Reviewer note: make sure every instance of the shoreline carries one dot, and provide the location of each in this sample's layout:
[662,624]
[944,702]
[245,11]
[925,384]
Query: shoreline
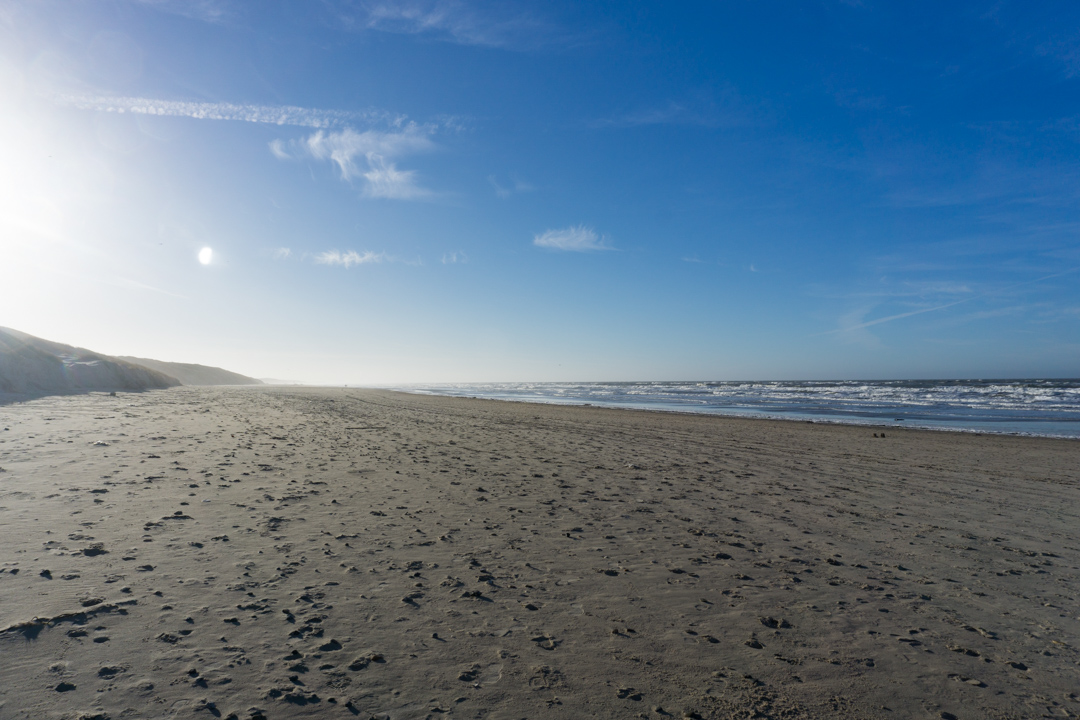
[748,415]
[327,552]
[818,419]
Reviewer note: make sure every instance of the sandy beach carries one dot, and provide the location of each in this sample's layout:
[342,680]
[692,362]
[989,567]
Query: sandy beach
[298,552]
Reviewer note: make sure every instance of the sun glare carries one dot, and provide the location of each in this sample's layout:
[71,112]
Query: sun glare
[206,255]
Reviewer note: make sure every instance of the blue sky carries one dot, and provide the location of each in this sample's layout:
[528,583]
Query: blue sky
[431,191]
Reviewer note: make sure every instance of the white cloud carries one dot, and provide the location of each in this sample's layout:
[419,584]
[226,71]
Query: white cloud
[367,155]
[500,190]
[505,190]
[269,114]
[722,108]
[282,253]
[577,238]
[386,181]
[453,258]
[345,146]
[350,258]
[673,114]
[496,25]
[277,147]
[853,321]
[211,11]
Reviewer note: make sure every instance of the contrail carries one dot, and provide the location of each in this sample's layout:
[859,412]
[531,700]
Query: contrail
[879,321]
[269,114]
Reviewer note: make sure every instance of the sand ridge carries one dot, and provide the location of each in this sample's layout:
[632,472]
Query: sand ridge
[284,552]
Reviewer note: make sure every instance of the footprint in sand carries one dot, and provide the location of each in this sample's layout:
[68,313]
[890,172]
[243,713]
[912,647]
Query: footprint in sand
[546,642]
[545,677]
[469,674]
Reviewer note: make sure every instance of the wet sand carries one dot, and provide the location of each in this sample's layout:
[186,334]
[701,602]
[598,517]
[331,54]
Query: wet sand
[282,552]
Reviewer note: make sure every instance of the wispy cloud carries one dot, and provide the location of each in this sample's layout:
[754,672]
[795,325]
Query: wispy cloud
[368,156]
[350,258]
[269,114]
[1012,310]
[898,316]
[721,107]
[577,238]
[511,187]
[277,149]
[911,289]
[212,11]
[849,325]
[1065,48]
[465,22]
[671,114]
[384,180]
[136,285]
[454,258]
[282,253]
[343,148]
[496,25]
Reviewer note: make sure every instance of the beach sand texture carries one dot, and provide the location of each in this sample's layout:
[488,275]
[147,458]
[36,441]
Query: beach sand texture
[287,553]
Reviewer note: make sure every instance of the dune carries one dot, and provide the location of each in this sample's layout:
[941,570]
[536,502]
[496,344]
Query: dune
[192,374]
[32,366]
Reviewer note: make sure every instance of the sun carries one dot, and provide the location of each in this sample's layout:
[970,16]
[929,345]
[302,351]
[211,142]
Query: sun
[206,255]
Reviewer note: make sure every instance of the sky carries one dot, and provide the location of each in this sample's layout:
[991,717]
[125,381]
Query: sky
[377,192]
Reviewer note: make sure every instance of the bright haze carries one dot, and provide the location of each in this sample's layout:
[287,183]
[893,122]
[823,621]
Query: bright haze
[386,192]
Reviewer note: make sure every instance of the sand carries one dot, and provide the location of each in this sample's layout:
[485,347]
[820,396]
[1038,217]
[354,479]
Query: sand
[284,553]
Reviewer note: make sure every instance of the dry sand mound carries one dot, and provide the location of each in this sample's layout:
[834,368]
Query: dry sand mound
[191,374]
[32,366]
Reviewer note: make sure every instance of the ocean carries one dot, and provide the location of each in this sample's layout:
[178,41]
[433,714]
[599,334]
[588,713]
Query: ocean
[1021,407]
